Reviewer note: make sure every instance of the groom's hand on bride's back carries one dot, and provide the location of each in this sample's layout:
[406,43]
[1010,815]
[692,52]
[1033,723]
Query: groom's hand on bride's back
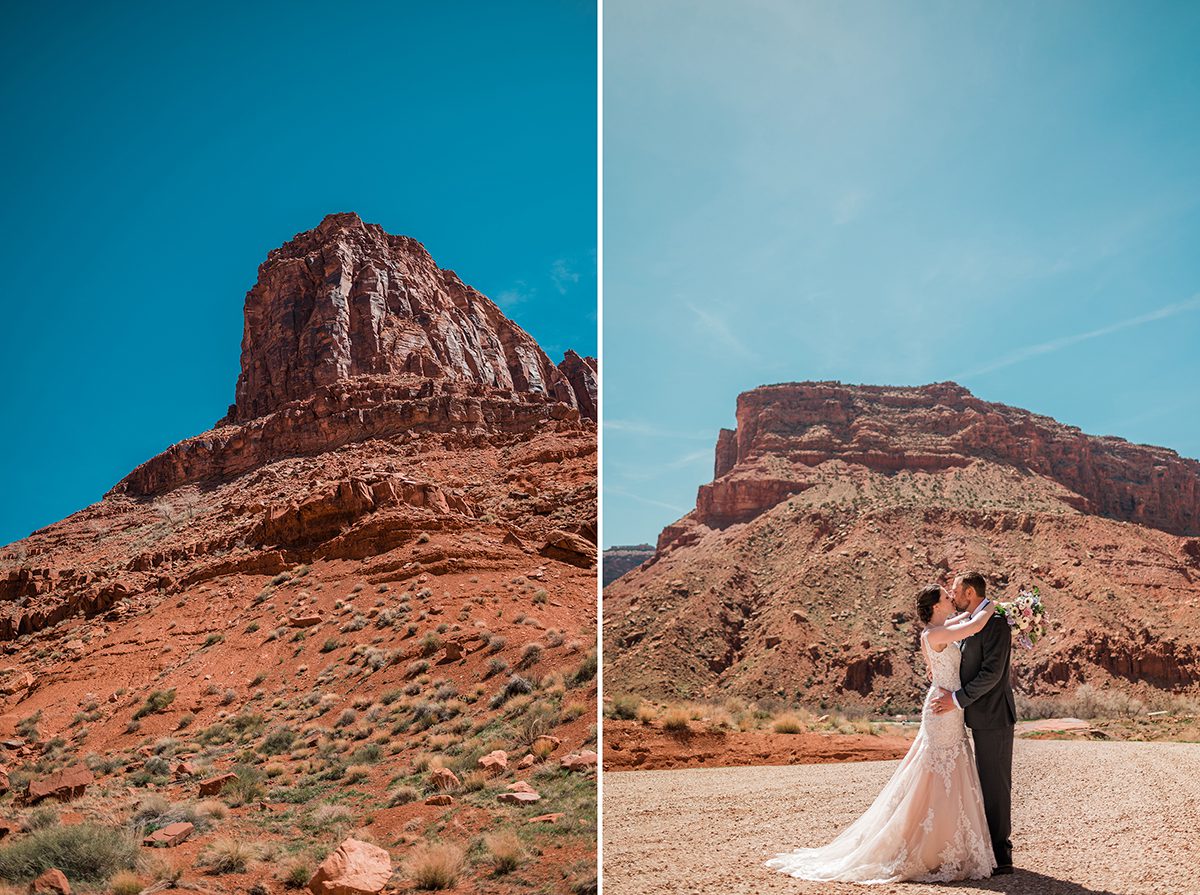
[943,702]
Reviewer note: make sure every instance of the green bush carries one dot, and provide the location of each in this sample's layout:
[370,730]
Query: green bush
[155,702]
[86,853]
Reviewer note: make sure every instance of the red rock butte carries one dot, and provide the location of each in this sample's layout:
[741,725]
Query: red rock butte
[832,504]
[389,537]
[357,350]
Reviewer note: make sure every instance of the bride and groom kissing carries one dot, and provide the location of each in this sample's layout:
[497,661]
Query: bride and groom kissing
[945,814]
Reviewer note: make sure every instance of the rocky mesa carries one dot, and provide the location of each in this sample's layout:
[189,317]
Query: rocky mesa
[346,636]
[831,505]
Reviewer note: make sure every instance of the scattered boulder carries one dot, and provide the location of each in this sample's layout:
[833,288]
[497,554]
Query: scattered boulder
[526,762]
[494,763]
[578,761]
[69,783]
[444,778]
[519,797]
[443,799]
[213,785]
[553,818]
[355,868]
[52,882]
[14,680]
[304,621]
[170,835]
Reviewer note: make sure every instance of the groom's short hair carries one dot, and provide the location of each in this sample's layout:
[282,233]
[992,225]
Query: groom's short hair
[974,580]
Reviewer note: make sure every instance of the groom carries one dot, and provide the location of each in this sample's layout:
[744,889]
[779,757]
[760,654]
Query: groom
[986,699]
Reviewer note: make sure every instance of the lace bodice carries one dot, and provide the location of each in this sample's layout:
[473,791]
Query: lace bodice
[945,665]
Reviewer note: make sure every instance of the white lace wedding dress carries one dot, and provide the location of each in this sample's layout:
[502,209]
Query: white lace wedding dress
[928,823]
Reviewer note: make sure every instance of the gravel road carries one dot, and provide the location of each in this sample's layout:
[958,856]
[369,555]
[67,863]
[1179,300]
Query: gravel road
[1089,818]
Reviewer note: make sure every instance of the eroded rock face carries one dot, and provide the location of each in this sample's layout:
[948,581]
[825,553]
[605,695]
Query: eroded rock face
[582,373]
[347,299]
[886,429]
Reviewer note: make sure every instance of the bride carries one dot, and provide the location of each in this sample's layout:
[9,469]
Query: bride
[928,823]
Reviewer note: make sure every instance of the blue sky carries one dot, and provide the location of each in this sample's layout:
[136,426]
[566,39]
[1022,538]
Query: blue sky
[1006,195]
[155,153]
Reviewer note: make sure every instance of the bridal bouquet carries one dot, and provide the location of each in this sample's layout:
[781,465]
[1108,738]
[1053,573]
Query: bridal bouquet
[1026,616]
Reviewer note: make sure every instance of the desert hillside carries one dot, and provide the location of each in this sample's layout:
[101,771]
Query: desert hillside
[831,505]
[356,618]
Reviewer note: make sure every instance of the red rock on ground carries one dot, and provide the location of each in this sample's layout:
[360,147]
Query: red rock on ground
[578,761]
[444,778]
[213,785]
[519,798]
[51,882]
[494,763]
[170,835]
[354,868]
[69,783]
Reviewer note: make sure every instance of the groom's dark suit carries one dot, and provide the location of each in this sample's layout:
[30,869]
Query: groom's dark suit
[986,699]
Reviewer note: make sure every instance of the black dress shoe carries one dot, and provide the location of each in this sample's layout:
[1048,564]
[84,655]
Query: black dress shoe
[1003,870]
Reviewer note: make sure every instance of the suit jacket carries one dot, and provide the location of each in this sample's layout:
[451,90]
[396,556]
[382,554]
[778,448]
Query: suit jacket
[986,695]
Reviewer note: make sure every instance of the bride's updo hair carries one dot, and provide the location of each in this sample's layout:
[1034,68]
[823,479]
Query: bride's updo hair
[929,597]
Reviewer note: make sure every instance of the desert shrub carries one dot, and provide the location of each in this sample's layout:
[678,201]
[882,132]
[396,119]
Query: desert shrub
[227,856]
[531,653]
[586,672]
[246,788]
[86,853]
[402,795]
[126,882]
[278,741]
[515,686]
[435,866]
[296,874]
[788,724]
[506,850]
[324,818]
[624,706]
[675,718]
[155,702]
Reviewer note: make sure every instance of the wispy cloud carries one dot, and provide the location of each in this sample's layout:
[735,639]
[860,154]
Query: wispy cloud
[636,427]
[1024,354]
[515,295]
[563,276]
[719,330]
[610,491]
[848,206]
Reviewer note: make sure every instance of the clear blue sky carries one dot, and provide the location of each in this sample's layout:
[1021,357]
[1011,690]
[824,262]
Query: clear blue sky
[1003,194]
[154,153]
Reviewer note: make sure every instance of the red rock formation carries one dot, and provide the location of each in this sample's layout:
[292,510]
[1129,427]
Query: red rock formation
[347,299]
[832,505]
[887,429]
[582,373]
[421,495]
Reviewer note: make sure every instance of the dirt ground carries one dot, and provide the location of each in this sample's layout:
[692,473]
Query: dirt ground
[1089,818]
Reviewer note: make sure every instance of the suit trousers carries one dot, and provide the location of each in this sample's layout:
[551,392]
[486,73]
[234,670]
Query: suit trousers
[993,758]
